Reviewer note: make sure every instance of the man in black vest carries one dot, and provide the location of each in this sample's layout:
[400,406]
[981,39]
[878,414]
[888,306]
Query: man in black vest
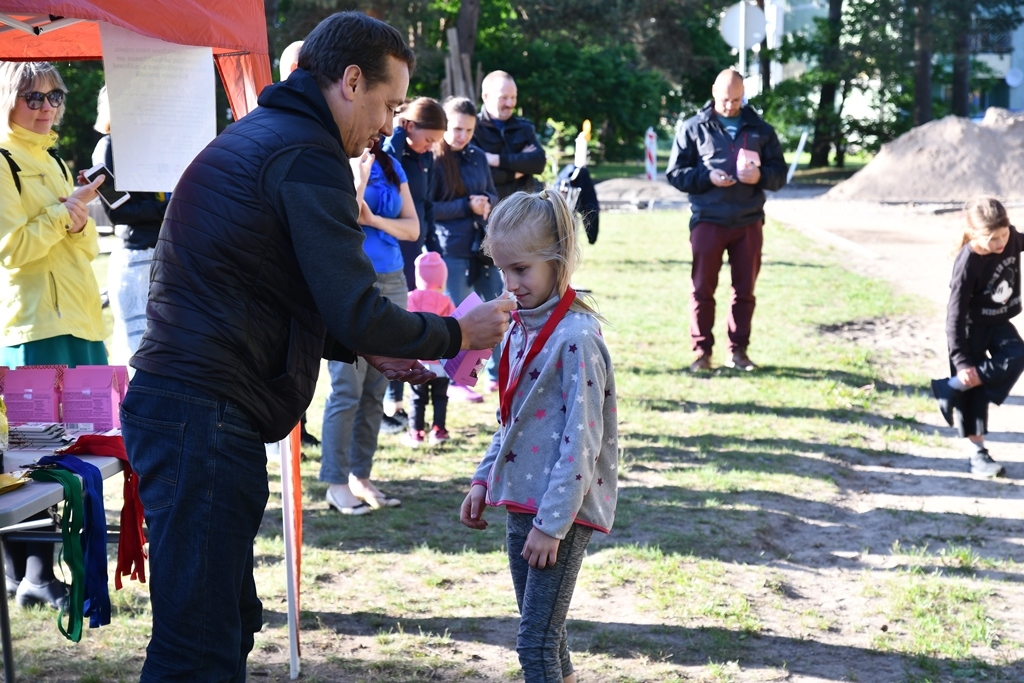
[510,141]
[260,272]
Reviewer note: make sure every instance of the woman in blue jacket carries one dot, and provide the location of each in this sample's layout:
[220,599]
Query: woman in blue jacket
[355,406]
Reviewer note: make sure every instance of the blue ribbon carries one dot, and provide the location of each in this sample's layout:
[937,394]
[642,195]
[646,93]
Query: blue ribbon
[94,537]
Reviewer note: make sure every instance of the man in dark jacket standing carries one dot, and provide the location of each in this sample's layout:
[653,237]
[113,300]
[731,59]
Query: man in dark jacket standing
[260,272]
[725,158]
[513,152]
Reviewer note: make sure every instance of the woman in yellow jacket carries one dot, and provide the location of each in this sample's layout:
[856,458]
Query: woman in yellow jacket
[50,311]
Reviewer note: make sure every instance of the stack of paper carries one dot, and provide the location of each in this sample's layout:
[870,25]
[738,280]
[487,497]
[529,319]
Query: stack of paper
[39,436]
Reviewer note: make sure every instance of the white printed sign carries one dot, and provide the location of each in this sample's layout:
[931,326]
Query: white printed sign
[162,107]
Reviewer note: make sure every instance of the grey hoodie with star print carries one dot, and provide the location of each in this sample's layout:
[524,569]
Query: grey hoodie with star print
[558,455]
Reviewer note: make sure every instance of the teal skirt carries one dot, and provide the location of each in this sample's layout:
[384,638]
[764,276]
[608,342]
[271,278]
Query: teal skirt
[63,350]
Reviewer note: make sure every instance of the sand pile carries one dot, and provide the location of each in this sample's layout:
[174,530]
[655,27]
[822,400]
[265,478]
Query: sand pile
[637,189]
[949,160]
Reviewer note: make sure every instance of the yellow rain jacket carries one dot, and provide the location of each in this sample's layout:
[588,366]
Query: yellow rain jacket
[47,287]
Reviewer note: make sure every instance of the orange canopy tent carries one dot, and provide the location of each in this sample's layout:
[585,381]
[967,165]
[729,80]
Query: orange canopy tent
[58,30]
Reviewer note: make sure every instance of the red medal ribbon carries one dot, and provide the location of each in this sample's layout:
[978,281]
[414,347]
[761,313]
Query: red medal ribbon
[507,390]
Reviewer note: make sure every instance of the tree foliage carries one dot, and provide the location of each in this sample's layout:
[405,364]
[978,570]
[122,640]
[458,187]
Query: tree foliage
[76,135]
[623,65]
[879,46]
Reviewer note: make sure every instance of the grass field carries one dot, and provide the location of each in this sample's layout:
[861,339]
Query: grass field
[696,582]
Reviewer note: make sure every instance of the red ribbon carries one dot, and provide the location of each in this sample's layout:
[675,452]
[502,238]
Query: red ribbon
[131,560]
[507,390]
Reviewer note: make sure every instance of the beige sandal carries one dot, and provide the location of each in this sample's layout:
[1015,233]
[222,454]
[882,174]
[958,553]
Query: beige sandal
[376,498]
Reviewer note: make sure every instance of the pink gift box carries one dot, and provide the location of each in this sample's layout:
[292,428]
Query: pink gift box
[32,395]
[120,373]
[91,399]
[464,368]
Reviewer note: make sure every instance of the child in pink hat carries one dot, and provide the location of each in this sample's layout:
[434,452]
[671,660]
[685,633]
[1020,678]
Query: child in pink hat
[429,297]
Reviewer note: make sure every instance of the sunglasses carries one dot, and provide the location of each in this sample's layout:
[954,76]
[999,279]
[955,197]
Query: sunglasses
[34,100]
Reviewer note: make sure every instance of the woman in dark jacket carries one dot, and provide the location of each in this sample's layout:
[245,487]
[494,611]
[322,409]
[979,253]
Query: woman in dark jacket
[419,124]
[463,194]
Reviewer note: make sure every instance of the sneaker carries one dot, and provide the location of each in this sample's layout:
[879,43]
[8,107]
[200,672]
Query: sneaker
[308,439]
[702,363]
[12,586]
[438,435]
[490,386]
[53,593]
[948,398]
[457,392]
[414,438]
[740,361]
[982,465]
[392,425]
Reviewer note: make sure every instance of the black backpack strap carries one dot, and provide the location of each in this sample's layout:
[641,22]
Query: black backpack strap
[15,169]
[60,162]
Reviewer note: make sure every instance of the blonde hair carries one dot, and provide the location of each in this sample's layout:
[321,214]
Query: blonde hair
[18,78]
[541,225]
[984,215]
[102,112]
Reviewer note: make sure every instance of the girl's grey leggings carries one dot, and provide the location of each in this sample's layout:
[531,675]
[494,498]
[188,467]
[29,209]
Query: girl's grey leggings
[543,596]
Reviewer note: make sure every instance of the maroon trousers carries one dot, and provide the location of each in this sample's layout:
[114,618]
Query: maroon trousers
[709,242]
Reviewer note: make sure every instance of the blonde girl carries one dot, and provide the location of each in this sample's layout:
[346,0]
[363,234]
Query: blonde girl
[553,461]
[986,354]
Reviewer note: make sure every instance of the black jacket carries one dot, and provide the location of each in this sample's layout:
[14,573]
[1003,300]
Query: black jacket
[508,143]
[417,169]
[984,291]
[260,256]
[702,144]
[454,220]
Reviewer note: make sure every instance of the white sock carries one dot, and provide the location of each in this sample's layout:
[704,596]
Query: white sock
[955,383]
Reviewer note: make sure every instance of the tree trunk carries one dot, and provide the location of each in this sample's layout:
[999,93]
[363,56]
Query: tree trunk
[826,119]
[469,17]
[962,70]
[922,62]
[765,60]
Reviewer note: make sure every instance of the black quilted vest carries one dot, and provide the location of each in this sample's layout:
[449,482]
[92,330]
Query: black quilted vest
[229,311]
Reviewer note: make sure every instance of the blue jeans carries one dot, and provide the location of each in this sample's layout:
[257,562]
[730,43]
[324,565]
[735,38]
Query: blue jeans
[202,471]
[543,596]
[488,286]
[356,405]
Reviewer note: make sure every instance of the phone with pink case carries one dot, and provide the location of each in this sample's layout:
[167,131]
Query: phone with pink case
[747,157]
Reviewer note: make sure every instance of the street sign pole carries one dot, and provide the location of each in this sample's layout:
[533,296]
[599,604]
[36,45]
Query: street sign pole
[742,38]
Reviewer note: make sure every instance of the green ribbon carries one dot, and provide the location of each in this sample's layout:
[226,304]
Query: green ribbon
[71,553]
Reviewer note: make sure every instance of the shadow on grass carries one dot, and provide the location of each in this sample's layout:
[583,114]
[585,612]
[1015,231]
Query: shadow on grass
[775,455]
[850,379]
[679,645]
[744,526]
[758,527]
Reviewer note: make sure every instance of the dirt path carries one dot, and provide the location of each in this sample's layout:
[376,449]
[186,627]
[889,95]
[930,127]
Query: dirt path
[908,246]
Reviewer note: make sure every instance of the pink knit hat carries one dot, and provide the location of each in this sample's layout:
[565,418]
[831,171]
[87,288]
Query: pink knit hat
[431,272]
